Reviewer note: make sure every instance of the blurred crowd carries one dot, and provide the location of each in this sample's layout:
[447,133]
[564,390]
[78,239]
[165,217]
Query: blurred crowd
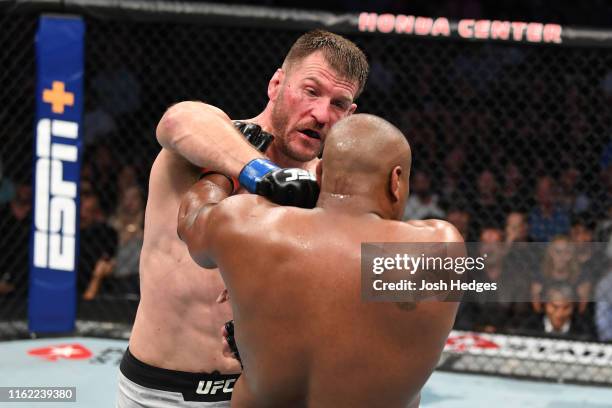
[501,211]
[501,208]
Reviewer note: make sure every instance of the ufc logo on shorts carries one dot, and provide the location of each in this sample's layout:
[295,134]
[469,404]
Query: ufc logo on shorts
[211,387]
[297,174]
[56,212]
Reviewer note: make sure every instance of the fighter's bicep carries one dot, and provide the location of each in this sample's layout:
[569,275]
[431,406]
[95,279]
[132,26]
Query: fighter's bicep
[171,175]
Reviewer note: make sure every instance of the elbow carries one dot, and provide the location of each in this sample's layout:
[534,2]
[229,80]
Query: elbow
[180,119]
[169,127]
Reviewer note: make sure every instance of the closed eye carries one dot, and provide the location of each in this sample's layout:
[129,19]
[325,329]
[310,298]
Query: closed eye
[311,92]
[341,105]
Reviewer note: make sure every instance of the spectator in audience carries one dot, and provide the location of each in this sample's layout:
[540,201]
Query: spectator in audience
[516,229]
[486,311]
[560,318]
[548,218]
[603,208]
[603,307]
[97,239]
[7,188]
[460,218]
[453,183]
[572,200]
[606,194]
[422,202]
[15,219]
[520,263]
[104,176]
[591,257]
[603,233]
[560,265]
[86,187]
[487,209]
[592,260]
[123,269]
[127,178]
[513,190]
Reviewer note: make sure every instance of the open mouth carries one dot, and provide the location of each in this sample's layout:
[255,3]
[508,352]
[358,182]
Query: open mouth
[311,133]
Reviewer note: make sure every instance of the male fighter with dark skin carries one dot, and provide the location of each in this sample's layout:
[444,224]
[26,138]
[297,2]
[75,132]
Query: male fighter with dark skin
[178,323]
[294,281]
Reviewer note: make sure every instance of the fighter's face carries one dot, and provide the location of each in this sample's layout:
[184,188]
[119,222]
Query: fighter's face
[308,100]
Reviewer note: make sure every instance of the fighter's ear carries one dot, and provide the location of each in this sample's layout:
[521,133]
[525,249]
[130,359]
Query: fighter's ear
[352,109]
[275,83]
[319,172]
[395,183]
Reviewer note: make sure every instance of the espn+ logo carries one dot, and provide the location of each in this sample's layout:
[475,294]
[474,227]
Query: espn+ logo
[55,197]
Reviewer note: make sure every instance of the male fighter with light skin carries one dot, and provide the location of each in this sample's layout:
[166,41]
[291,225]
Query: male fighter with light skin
[176,349]
[294,281]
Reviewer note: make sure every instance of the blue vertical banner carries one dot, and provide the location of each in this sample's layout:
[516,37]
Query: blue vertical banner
[57,162]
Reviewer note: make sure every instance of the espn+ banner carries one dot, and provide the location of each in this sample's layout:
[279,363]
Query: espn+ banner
[57,147]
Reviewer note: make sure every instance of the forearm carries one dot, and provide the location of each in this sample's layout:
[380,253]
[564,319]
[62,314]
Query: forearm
[200,198]
[93,288]
[206,137]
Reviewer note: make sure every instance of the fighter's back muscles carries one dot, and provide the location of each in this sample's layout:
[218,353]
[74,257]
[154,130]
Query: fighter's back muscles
[294,279]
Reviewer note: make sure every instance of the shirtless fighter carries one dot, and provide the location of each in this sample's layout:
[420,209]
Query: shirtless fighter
[175,355]
[305,337]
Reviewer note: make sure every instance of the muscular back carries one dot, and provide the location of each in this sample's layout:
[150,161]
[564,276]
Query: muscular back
[178,321]
[305,336]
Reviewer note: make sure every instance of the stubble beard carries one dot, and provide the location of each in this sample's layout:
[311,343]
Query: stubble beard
[280,121]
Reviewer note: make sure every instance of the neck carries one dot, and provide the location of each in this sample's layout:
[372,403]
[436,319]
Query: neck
[354,204]
[273,153]
[264,119]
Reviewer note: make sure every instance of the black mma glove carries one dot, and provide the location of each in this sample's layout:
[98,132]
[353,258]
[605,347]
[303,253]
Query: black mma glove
[294,187]
[255,135]
[229,327]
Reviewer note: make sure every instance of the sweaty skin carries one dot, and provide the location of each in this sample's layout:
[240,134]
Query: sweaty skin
[294,280]
[178,323]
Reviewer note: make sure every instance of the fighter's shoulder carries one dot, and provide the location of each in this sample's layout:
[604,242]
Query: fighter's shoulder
[435,230]
[245,205]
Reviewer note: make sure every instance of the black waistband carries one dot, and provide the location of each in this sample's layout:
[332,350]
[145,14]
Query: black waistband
[204,387]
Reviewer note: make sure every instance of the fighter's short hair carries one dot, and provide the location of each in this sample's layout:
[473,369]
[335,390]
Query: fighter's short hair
[342,54]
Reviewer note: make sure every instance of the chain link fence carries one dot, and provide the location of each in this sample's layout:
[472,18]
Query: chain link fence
[17,95]
[511,143]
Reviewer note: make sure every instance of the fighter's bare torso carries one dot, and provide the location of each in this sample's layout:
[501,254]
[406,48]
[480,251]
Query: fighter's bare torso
[178,323]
